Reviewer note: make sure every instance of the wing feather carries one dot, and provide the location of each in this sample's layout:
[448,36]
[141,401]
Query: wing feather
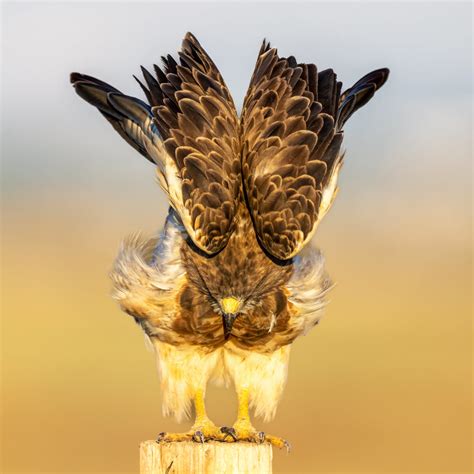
[291,139]
[196,117]
[190,130]
[129,116]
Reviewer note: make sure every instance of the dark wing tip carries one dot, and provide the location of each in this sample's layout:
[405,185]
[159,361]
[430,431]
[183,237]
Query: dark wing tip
[190,37]
[385,72]
[75,77]
[327,72]
[265,47]
[190,41]
[380,76]
[360,93]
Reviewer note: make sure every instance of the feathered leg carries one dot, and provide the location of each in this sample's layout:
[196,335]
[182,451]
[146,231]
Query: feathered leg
[184,374]
[243,430]
[262,389]
[203,428]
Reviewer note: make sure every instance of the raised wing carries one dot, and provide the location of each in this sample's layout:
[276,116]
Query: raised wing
[292,133]
[190,130]
[196,117]
[129,116]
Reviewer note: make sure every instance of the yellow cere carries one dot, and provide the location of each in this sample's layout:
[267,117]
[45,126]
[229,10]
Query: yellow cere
[230,305]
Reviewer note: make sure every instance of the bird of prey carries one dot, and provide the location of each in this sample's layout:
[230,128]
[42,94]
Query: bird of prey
[232,280]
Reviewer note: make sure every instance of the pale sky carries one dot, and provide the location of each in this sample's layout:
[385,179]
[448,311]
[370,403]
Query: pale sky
[416,130]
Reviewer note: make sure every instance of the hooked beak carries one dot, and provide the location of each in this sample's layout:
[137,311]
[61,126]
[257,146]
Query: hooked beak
[228,321]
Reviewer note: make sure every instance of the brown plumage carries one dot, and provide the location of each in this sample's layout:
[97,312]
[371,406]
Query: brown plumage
[231,282]
[243,271]
[291,126]
[196,118]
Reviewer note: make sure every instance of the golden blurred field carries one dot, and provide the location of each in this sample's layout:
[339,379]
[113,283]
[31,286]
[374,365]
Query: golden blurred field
[384,383]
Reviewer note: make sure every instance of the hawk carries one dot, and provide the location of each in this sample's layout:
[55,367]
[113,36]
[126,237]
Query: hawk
[231,281]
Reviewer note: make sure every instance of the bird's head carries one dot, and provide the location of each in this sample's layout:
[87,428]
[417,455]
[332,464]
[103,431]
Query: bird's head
[238,281]
[238,297]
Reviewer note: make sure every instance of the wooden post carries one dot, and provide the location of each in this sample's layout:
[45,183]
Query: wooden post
[212,457]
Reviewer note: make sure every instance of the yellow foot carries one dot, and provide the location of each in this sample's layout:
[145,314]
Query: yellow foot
[244,431]
[201,431]
[173,437]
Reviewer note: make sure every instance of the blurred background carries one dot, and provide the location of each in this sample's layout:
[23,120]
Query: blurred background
[384,383]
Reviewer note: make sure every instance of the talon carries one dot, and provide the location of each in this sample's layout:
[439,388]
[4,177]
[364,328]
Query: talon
[173,437]
[199,435]
[229,432]
[261,436]
[279,443]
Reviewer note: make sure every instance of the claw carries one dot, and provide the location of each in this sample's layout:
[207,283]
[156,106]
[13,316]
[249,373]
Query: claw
[173,437]
[199,436]
[202,431]
[261,436]
[229,432]
[279,443]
